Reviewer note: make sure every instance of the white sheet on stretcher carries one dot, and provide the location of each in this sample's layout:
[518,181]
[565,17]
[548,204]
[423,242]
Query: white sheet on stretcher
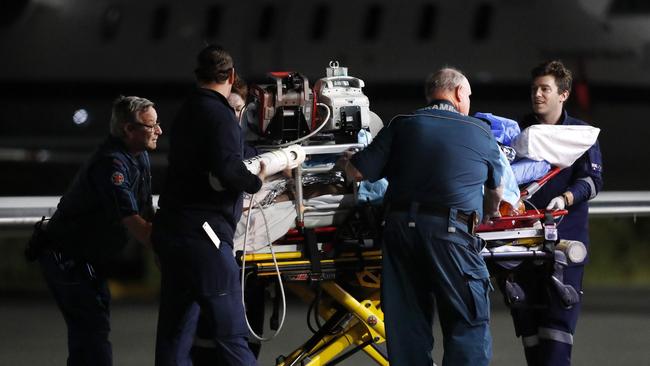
[325,210]
[560,145]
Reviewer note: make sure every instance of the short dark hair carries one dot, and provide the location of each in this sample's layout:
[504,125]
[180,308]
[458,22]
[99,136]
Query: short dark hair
[213,64]
[555,68]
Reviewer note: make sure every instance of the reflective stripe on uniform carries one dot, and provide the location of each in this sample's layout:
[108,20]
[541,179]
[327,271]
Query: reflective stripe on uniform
[530,341]
[555,335]
[592,186]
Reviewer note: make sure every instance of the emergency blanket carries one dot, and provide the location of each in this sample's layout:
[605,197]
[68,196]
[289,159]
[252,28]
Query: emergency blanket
[517,169]
[503,129]
[509,182]
[371,192]
[527,170]
[560,145]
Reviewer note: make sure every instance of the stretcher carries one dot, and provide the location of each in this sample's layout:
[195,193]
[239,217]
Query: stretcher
[348,274]
[340,275]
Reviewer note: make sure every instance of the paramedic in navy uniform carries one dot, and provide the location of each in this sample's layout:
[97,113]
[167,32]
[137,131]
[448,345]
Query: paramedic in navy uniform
[109,199]
[205,181]
[547,335]
[437,161]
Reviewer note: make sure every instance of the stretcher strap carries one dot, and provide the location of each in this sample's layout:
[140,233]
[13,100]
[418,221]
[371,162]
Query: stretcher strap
[312,254]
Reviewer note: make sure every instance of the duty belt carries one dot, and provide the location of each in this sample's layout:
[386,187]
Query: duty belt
[471,220]
[429,209]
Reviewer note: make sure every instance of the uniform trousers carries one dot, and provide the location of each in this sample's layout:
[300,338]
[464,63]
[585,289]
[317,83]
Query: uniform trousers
[196,276]
[432,262]
[545,326]
[84,300]
[204,351]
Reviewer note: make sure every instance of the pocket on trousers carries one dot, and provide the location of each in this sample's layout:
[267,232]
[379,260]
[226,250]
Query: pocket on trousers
[478,283]
[227,314]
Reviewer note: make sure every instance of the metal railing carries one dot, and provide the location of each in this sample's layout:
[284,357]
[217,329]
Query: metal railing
[25,211]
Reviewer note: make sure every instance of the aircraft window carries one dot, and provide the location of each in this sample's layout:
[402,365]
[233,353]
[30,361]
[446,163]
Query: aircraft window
[160,22]
[426,28]
[266,23]
[320,23]
[111,21]
[213,20]
[372,22]
[629,7]
[483,22]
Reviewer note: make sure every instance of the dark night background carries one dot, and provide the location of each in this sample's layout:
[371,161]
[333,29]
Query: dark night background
[59,56]
[38,116]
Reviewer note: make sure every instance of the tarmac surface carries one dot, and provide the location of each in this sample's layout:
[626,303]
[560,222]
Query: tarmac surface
[614,329]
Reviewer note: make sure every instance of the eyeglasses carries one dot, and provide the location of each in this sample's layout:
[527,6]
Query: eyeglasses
[148,127]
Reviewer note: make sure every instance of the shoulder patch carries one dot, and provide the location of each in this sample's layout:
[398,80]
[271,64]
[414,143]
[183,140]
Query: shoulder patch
[117,178]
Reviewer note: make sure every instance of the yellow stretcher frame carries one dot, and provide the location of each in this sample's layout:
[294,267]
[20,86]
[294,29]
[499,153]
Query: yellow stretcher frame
[359,324]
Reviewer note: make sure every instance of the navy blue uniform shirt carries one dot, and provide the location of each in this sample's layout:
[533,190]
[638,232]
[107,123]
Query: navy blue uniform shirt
[584,179]
[434,156]
[205,139]
[112,185]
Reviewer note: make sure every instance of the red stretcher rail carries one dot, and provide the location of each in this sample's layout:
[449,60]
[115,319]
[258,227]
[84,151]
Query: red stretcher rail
[498,223]
[535,186]
[526,219]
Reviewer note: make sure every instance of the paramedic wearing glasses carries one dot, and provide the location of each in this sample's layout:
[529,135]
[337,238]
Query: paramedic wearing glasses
[108,202]
[547,334]
[437,161]
[205,181]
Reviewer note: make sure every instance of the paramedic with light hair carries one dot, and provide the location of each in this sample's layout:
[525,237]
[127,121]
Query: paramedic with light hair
[547,334]
[437,161]
[108,202]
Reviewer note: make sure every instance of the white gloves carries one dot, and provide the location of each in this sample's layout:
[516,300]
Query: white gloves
[557,203]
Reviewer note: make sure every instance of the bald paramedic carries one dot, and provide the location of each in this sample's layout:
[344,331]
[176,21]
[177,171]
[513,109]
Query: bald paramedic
[437,161]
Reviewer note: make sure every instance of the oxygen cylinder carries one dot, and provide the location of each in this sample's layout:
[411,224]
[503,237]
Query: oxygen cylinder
[575,251]
[277,160]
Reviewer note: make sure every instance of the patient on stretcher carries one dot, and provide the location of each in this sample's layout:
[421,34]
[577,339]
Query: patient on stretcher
[328,199]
